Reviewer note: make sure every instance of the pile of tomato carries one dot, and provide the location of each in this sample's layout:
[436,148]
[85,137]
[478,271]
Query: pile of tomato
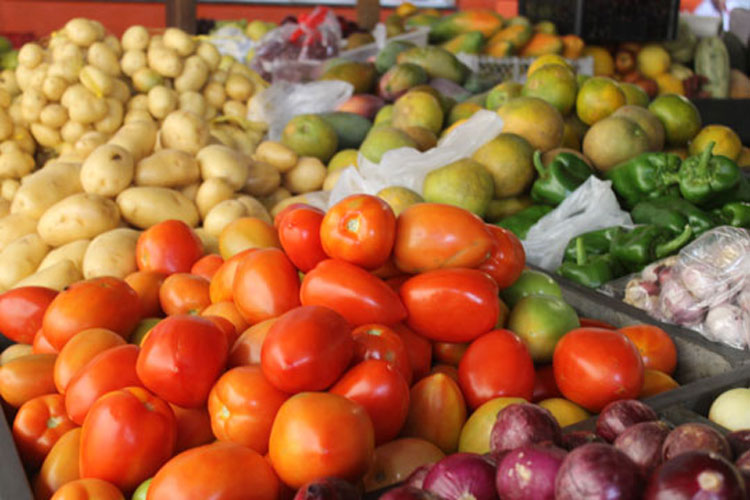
[294,355]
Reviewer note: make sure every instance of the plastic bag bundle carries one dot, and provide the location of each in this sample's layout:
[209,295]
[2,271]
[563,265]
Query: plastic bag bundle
[232,41]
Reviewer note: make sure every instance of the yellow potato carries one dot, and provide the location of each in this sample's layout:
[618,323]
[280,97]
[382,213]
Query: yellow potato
[53,87]
[4,207]
[79,216]
[167,168]
[262,179]
[114,45]
[113,119]
[72,131]
[89,142]
[212,192]
[179,41]
[135,37]
[107,171]
[210,243]
[57,276]
[193,101]
[8,189]
[137,137]
[139,102]
[81,31]
[53,115]
[191,191]
[255,208]
[30,55]
[132,61]
[73,252]
[15,164]
[32,103]
[164,61]
[144,79]
[276,197]
[20,258]
[137,115]
[222,214]
[45,136]
[14,226]
[308,175]
[96,80]
[101,55]
[215,94]
[111,254]
[234,108]
[210,54]
[185,131]
[6,125]
[194,75]
[219,161]
[144,207]
[162,101]
[23,138]
[120,91]
[239,87]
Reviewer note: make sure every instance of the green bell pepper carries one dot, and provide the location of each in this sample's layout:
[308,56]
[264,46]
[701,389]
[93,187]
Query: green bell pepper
[558,179]
[647,176]
[594,242]
[704,176]
[672,213]
[736,213]
[520,223]
[741,192]
[592,272]
[645,244]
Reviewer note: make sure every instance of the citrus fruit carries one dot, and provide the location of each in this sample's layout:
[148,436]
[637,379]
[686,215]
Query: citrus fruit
[310,135]
[554,83]
[680,118]
[535,120]
[598,98]
[604,63]
[508,159]
[634,94]
[399,198]
[342,159]
[653,60]
[669,84]
[613,141]
[727,141]
[465,183]
[545,60]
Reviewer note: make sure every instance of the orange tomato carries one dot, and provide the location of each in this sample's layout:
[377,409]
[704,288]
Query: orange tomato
[318,434]
[42,344]
[207,265]
[229,312]
[168,247]
[27,377]
[246,350]
[60,465]
[147,284]
[656,382]
[374,341]
[183,293]
[80,349]
[244,233]
[222,281]
[193,427]
[39,423]
[655,345]
[88,489]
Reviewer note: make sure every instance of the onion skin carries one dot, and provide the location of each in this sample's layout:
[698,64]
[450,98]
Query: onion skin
[521,424]
[528,473]
[597,471]
[573,439]
[619,415]
[416,478]
[696,474]
[461,476]
[408,493]
[694,437]
[329,488]
[642,443]
[739,441]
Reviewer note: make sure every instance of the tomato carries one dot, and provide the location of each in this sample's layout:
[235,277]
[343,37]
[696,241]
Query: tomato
[107,371]
[388,270]
[81,349]
[222,281]
[595,323]
[181,358]
[656,382]
[375,341]
[299,234]
[246,350]
[496,364]
[60,465]
[243,405]
[289,208]
[207,265]
[383,393]
[39,423]
[655,345]
[183,293]
[437,412]
[42,344]
[14,351]
[88,489]
[450,370]
[419,350]
[22,310]
[219,471]
[433,236]
[307,349]
[544,384]
[397,281]
[594,367]
[127,436]
[449,352]
[229,312]
[27,377]
[352,292]
[318,434]
[193,427]
[360,229]
[244,233]
[168,247]
[104,302]
[508,258]
[266,285]
[395,461]
[147,284]
[451,305]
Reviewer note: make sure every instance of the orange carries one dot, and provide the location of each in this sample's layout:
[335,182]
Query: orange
[545,60]
[604,63]
[634,94]
[669,84]
[554,83]
[535,120]
[598,98]
[653,60]
[680,117]
[727,142]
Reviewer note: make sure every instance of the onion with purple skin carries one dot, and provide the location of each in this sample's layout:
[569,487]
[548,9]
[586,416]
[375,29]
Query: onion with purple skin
[416,478]
[462,476]
[677,305]
[597,471]
[495,457]
[696,474]
[619,415]
[329,488]
[642,444]
[694,437]
[528,473]
[574,439]
[408,493]
[521,424]
[743,462]
[739,441]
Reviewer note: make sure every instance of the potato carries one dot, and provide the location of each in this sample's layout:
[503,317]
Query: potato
[135,38]
[239,87]
[6,125]
[219,161]
[53,115]
[5,96]
[179,41]
[89,142]
[193,76]
[57,277]
[132,61]
[8,189]
[23,138]
[255,208]
[215,94]
[167,168]
[88,109]
[20,259]
[30,55]
[276,197]
[96,80]
[37,76]
[137,115]
[308,175]
[137,137]
[234,108]
[73,252]
[14,226]
[191,191]
[210,54]
[111,254]
[161,101]
[113,119]
[32,103]
[219,76]
[101,56]
[262,179]
[222,214]
[81,31]
[45,136]
[210,243]
[212,192]
[113,43]
[144,207]
[4,207]
[120,91]
[73,131]
[285,202]
[144,79]
[164,61]
[9,83]
[107,171]
[15,164]
[67,69]
[185,131]
[79,216]
[193,101]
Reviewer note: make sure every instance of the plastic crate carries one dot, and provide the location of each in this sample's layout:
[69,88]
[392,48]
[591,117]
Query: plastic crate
[602,21]
[515,68]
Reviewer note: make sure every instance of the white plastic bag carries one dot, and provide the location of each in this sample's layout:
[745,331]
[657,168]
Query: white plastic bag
[591,207]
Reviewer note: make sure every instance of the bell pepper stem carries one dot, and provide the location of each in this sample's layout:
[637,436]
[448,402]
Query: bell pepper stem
[581,256]
[705,156]
[538,165]
[669,247]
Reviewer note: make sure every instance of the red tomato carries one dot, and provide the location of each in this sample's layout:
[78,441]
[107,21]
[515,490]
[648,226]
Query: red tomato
[39,423]
[449,352]
[352,292]
[22,310]
[451,305]
[496,364]
[318,434]
[193,427]
[181,358]
[207,265]
[88,489]
[127,436]
[27,377]
[60,465]
[242,406]
[383,393]
[109,370]
[168,247]
[359,229]
[147,284]
[594,367]
[42,344]
[223,280]
[219,471]
[507,260]
[183,293]
[388,270]
[229,312]
[449,370]
[419,350]
[307,349]
[397,281]
[104,302]
[246,349]
[81,349]
[544,384]
[655,345]
[279,216]
[375,341]
[226,327]
[433,236]
[266,285]
[595,323]
[299,233]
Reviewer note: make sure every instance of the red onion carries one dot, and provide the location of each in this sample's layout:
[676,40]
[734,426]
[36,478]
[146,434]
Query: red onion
[329,488]
[696,474]
[642,444]
[408,493]
[528,473]
[521,424]
[462,476]
[619,415]
[743,462]
[416,478]
[597,471]
[739,441]
[695,437]
[574,439]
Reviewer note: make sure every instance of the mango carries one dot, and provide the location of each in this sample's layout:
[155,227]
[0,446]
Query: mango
[418,109]
[399,79]
[462,22]
[351,128]
[387,57]
[384,138]
[437,62]
[471,42]
[360,75]
[541,44]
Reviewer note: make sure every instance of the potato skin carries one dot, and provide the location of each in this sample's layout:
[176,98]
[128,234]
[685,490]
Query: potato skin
[107,170]
[79,216]
[111,254]
[167,168]
[57,277]
[73,251]
[20,259]
[144,207]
